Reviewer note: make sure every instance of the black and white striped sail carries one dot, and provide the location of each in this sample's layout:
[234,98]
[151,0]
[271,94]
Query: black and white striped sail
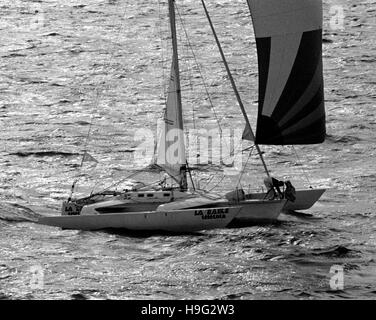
[291,94]
[171,147]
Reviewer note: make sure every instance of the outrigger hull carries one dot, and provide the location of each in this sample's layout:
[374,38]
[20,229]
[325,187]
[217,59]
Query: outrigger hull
[170,221]
[305,199]
[259,211]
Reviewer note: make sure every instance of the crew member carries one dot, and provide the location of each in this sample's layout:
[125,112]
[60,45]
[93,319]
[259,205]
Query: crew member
[272,186]
[290,193]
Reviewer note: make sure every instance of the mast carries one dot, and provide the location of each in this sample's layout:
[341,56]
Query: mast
[233,84]
[175,60]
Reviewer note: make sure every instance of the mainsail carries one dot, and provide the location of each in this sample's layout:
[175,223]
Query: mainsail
[171,146]
[291,93]
[171,149]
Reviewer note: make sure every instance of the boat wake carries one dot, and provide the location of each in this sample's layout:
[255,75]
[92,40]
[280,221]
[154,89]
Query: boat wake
[14,212]
[298,214]
[151,233]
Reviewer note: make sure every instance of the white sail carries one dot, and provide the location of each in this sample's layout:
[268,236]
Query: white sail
[171,147]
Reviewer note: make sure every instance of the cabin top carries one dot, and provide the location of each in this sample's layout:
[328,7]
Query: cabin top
[151,194]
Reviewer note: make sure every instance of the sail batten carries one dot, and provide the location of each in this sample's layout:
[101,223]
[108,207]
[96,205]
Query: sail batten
[289,50]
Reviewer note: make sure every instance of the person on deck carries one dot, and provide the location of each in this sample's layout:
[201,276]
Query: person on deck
[290,193]
[272,186]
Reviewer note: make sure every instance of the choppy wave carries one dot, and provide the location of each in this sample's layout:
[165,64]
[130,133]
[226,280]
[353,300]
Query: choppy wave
[40,154]
[338,251]
[345,139]
[14,212]
[101,67]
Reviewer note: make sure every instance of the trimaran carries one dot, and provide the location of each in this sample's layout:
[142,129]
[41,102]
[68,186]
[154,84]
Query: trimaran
[291,111]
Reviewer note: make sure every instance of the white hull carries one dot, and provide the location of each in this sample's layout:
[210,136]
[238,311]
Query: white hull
[171,221]
[305,199]
[251,211]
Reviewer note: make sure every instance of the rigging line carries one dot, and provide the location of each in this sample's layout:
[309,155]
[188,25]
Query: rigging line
[112,185]
[124,179]
[232,152]
[100,91]
[190,175]
[188,71]
[300,162]
[199,71]
[233,85]
[248,148]
[209,179]
[88,134]
[148,185]
[164,85]
[181,71]
[96,103]
[163,80]
[244,167]
[215,186]
[207,195]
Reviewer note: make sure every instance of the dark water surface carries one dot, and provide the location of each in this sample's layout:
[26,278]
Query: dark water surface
[66,65]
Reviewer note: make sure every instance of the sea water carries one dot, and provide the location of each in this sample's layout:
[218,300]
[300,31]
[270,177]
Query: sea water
[86,75]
